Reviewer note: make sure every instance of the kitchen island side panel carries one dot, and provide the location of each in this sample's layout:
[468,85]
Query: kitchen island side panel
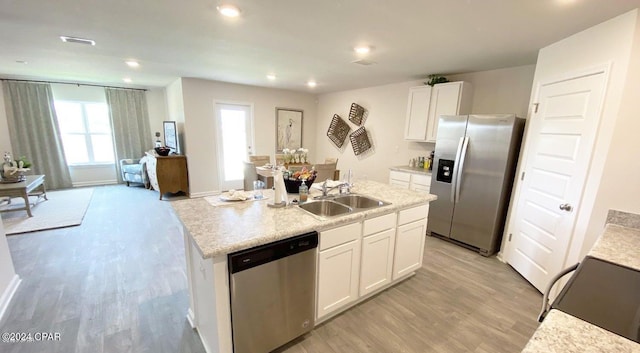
[210,304]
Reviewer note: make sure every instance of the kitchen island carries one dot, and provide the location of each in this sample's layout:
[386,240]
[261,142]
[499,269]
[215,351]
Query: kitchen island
[561,332]
[212,232]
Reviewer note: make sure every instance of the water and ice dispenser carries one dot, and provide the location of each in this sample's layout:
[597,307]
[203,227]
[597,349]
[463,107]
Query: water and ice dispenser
[445,170]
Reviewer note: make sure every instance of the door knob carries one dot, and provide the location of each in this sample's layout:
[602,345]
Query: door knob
[566,207]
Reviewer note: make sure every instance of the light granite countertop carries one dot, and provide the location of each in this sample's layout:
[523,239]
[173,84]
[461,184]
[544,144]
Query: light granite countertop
[414,170]
[219,230]
[561,332]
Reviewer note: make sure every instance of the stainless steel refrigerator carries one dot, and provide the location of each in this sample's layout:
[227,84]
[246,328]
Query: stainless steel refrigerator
[474,165]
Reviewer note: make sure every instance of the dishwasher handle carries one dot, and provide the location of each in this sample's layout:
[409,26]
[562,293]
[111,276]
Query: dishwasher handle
[246,259]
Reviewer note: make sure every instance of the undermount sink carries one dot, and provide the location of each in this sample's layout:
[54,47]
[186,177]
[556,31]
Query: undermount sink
[359,201]
[326,208]
[341,204]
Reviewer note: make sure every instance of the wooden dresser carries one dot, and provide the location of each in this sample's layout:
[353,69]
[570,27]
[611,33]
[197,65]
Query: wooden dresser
[168,174]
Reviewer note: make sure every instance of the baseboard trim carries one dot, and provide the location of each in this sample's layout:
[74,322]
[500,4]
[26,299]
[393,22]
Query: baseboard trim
[191,318]
[6,297]
[94,183]
[204,194]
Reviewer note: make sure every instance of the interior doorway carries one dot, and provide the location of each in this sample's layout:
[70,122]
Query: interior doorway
[556,160]
[234,123]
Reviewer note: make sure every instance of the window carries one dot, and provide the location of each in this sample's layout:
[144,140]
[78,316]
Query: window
[86,132]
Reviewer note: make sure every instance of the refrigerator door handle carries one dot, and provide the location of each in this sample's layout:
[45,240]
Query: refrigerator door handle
[454,178]
[463,155]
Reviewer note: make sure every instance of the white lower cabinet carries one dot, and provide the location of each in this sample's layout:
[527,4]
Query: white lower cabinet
[358,259]
[377,261]
[409,248]
[338,272]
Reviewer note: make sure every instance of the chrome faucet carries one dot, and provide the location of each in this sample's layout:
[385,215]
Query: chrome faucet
[325,189]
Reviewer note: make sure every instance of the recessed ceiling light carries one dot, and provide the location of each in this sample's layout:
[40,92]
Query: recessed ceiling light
[271,77]
[311,83]
[229,10]
[77,40]
[362,49]
[132,63]
[127,80]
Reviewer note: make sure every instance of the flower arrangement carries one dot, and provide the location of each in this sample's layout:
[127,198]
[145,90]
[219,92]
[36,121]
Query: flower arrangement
[295,156]
[13,170]
[302,153]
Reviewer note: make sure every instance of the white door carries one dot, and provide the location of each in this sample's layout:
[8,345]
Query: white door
[560,142]
[235,141]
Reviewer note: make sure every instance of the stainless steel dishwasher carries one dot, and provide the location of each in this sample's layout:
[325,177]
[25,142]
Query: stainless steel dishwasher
[272,293]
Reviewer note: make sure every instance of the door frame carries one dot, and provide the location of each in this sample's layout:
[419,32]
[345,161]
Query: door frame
[575,242]
[218,134]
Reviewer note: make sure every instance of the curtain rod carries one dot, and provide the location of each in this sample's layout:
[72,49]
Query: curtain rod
[71,83]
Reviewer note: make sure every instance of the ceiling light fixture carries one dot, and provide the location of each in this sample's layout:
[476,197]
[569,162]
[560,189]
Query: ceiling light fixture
[23,62]
[311,83]
[229,10]
[271,77]
[77,40]
[362,50]
[127,80]
[132,63]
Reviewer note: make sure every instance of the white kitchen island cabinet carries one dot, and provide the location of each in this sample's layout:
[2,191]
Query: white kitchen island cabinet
[412,227]
[354,255]
[426,104]
[338,268]
[378,243]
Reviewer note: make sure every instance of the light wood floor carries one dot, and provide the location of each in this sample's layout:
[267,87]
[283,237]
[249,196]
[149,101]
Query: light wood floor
[117,283]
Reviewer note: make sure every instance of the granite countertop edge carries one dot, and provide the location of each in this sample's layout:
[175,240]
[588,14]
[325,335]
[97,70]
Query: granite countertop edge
[195,215]
[561,332]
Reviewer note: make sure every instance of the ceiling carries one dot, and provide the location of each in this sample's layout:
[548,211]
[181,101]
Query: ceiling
[297,40]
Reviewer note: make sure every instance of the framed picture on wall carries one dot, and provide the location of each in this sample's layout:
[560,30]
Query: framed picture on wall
[171,135]
[288,129]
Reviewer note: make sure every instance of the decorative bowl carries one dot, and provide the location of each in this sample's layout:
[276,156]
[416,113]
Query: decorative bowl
[293,186]
[163,151]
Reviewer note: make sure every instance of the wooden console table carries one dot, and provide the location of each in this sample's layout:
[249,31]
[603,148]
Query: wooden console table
[24,189]
[168,173]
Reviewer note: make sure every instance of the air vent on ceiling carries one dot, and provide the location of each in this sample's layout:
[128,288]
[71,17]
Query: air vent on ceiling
[364,62]
[77,40]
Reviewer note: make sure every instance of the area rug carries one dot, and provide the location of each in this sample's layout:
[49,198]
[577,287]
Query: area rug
[64,208]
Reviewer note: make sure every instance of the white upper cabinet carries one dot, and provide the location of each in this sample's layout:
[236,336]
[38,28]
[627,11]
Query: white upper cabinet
[426,104]
[417,113]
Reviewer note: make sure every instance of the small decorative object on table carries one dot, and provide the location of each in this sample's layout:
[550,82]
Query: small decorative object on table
[292,181]
[13,171]
[163,151]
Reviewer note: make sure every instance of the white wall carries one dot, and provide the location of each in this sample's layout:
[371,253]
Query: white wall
[495,91]
[9,280]
[620,185]
[200,132]
[175,110]
[501,91]
[157,107]
[607,43]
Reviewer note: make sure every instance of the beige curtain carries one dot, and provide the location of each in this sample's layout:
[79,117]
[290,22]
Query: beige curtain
[130,123]
[33,129]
